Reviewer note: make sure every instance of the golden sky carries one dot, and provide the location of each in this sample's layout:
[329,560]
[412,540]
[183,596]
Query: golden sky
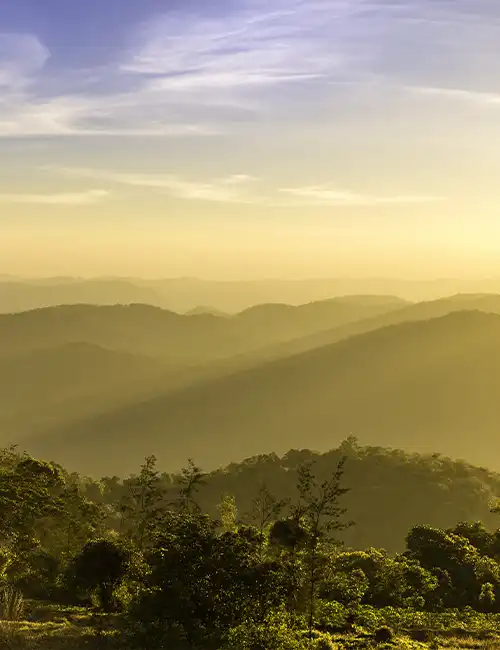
[250,139]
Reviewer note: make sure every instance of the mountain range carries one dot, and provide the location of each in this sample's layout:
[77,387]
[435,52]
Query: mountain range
[230,296]
[423,377]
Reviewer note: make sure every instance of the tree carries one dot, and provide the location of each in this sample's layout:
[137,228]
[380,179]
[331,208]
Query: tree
[203,582]
[459,566]
[191,479]
[487,597]
[101,566]
[315,519]
[266,508]
[228,513]
[143,506]
[29,491]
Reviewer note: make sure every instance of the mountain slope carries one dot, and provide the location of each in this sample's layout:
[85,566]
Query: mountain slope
[425,386]
[181,338]
[53,384]
[488,303]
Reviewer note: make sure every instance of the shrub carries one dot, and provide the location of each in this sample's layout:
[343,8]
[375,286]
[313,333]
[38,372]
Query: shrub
[275,633]
[324,642]
[11,604]
[383,634]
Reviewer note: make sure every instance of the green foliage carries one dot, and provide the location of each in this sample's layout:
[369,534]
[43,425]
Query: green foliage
[324,642]
[275,632]
[180,578]
[460,568]
[100,567]
[11,603]
[383,634]
[228,513]
[487,597]
[190,481]
[142,506]
[266,508]
[202,583]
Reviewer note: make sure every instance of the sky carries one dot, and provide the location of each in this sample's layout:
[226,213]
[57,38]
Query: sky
[250,138]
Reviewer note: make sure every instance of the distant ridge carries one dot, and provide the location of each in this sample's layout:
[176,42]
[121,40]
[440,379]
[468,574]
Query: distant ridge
[230,296]
[201,310]
[180,338]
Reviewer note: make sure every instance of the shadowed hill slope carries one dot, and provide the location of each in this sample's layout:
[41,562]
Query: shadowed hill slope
[52,384]
[185,339]
[425,386]
[488,303]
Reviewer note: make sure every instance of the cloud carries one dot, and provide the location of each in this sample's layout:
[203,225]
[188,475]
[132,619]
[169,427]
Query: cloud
[247,46]
[235,189]
[88,197]
[328,195]
[202,69]
[21,56]
[224,190]
[483,99]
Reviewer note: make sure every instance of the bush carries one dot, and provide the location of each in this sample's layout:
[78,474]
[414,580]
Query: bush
[99,569]
[324,642]
[383,634]
[11,604]
[275,633]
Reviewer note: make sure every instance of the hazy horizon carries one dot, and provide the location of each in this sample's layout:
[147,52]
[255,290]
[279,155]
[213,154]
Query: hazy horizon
[413,279]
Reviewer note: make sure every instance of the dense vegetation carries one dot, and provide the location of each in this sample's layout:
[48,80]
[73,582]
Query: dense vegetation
[260,555]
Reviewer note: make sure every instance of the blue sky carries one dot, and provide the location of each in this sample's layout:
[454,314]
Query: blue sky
[343,117]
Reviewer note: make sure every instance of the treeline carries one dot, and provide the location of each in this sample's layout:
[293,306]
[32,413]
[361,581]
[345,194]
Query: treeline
[275,575]
[391,490]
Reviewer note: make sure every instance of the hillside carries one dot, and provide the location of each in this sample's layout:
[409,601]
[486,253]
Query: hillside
[53,384]
[488,303]
[184,339]
[425,386]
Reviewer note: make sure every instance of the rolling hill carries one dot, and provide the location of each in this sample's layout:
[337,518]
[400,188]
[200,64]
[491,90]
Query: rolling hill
[488,303]
[63,363]
[50,385]
[180,338]
[426,386]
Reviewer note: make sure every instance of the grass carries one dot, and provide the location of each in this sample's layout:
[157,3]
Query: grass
[54,627]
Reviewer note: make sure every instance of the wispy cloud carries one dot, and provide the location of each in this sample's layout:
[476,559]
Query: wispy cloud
[328,195]
[240,188]
[230,189]
[196,69]
[249,46]
[481,99]
[88,197]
